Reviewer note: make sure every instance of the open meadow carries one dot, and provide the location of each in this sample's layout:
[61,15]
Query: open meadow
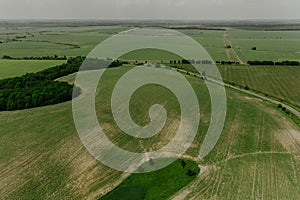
[13,68]
[79,41]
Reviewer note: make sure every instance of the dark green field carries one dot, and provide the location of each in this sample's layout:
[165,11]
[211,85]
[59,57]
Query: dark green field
[160,184]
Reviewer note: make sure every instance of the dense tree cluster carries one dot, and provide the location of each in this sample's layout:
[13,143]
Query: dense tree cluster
[40,93]
[40,89]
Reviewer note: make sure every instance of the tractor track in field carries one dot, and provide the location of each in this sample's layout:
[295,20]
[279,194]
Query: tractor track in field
[231,52]
[255,171]
[254,179]
[233,130]
[257,153]
[214,181]
[294,170]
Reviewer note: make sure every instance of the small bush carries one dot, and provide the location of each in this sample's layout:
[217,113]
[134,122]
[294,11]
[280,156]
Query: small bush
[246,87]
[183,163]
[191,173]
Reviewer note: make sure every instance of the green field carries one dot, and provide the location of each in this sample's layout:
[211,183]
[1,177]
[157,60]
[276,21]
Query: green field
[279,81]
[79,41]
[12,68]
[271,45]
[42,156]
[256,157]
[151,55]
[62,41]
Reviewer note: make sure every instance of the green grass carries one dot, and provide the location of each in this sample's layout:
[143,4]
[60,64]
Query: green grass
[160,184]
[12,68]
[127,193]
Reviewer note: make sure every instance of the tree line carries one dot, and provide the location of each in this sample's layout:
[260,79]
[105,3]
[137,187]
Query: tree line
[283,63]
[264,62]
[55,57]
[192,61]
[41,89]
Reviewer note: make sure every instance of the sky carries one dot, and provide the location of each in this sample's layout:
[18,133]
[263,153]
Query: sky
[150,9]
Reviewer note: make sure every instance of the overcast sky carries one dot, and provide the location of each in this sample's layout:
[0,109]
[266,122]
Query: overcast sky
[149,9]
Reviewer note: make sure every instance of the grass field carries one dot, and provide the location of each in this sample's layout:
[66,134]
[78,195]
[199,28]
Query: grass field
[150,54]
[12,68]
[68,41]
[79,41]
[43,158]
[279,81]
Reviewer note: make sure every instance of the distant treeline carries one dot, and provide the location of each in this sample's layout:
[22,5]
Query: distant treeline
[55,57]
[40,89]
[184,61]
[195,28]
[227,62]
[272,63]
[284,63]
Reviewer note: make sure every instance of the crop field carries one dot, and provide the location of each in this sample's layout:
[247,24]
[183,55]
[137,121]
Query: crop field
[271,45]
[279,81]
[12,68]
[256,156]
[212,41]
